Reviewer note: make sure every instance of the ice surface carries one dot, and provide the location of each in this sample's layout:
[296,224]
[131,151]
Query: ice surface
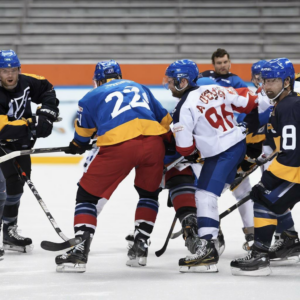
[33,276]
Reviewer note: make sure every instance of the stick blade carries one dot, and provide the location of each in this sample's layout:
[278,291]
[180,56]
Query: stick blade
[161,251]
[51,246]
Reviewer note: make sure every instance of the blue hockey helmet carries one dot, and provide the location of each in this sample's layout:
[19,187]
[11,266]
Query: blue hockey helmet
[179,69]
[279,68]
[256,67]
[107,70]
[9,59]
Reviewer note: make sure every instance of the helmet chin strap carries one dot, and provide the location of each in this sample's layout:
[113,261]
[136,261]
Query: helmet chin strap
[271,100]
[179,90]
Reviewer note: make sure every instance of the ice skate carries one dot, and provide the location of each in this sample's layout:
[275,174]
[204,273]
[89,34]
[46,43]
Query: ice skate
[203,261]
[74,261]
[190,232]
[138,254]
[254,264]
[249,236]
[220,242]
[130,239]
[15,242]
[286,249]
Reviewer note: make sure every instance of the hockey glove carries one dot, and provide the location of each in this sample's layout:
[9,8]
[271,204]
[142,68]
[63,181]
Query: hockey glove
[50,114]
[75,148]
[193,158]
[40,126]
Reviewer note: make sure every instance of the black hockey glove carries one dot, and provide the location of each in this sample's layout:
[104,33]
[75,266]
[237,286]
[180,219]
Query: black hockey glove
[49,113]
[193,158]
[40,126]
[75,148]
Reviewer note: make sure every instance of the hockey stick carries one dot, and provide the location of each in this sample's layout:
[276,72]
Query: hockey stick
[51,246]
[31,151]
[259,163]
[236,183]
[45,245]
[222,215]
[163,249]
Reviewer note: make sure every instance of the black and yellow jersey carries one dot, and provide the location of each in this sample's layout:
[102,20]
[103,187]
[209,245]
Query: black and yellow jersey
[285,121]
[15,105]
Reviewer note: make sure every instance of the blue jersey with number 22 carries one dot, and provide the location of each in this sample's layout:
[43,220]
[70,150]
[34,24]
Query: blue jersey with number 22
[118,111]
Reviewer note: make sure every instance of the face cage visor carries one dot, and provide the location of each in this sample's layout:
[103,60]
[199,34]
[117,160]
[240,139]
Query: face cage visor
[171,80]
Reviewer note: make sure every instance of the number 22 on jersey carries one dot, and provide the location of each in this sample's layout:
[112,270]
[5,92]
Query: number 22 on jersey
[135,101]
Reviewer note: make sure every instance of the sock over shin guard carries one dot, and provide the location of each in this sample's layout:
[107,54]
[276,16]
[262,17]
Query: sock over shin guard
[183,199]
[285,222]
[11,209]
[265,223]
[145,216]
[85,218]
[207,214]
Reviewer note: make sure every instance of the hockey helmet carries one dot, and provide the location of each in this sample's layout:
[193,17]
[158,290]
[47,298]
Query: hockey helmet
[279,68]
[9,59]
[107,70]
[184,68]
[256,67]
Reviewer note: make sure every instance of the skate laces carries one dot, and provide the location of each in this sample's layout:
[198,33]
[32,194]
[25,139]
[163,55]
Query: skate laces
[12,231]
[248,257]
[277,245]
[79,247]
[200,252]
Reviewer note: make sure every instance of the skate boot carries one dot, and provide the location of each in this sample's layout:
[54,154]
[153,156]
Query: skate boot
[249,236]
[138,254]
[220,242]
[15,242]
[203,261]
[286,247]
[254,264]
[190,232]
[130,239]
[74,261]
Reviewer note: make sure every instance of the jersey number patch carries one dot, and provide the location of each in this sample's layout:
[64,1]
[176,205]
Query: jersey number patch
[136,101]
[217,117]
[289,137]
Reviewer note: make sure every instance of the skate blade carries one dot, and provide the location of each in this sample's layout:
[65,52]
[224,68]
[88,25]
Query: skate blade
[1,258]
[199,269]
[260,272]
[26,249]
[137,262]
[71,268]
[285,261]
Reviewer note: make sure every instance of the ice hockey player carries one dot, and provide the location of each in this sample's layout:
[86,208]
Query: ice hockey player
[17,127]
[221,74]
[129,123]
[279,187]
[285,221]
[255,122]
[203,120]
[256,73]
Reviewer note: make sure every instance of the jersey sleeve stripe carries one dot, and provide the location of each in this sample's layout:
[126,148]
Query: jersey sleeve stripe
[186,150]
[250,139]
[291,174]
[84,132]
[4,122]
